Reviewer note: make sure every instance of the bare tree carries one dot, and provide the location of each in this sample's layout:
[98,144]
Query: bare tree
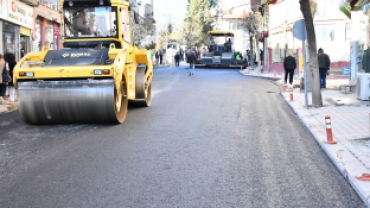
[312,52]
[251,23]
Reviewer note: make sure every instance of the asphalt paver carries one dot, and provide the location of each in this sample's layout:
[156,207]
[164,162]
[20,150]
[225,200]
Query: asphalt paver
[216,139]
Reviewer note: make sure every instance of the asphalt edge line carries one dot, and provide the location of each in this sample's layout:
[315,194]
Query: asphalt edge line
[353,181]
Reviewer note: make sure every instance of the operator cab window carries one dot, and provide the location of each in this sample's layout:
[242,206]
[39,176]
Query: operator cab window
[125,24]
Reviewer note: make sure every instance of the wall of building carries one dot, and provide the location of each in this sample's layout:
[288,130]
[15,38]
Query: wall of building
[330,28]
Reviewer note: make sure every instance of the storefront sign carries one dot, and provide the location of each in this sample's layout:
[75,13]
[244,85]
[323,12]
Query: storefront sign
[57,32]
[3,10]
[16,12]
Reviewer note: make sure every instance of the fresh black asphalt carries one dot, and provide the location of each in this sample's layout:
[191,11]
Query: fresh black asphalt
[217,139]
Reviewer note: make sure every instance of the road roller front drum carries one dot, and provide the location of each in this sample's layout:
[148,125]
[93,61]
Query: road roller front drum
[70,101]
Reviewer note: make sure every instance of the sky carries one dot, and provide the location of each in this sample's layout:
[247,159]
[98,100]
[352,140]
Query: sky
[175,9]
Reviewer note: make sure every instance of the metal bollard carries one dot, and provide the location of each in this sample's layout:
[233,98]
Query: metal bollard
[329,133]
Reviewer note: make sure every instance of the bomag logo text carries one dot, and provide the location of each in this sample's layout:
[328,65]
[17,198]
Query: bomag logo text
[76,55]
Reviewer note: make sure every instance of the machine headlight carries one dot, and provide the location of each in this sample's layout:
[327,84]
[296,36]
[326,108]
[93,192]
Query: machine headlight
[26,74]
[101,72]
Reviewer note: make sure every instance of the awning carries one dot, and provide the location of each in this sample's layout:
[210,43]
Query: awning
[236,16]
[352,5]
[47,15]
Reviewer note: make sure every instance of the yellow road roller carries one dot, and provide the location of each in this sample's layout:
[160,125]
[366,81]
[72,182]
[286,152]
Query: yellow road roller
[95,75]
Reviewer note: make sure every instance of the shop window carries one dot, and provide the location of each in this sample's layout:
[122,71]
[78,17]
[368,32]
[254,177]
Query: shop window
[291,45]
[348,31]
[275,42]
[11,34]
[49,36]
[36,37]
[233,26]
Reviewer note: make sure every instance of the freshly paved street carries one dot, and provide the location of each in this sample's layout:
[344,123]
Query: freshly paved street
[218,139]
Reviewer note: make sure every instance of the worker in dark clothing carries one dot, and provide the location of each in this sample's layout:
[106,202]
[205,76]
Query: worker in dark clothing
[177,59]
[324,66]
[289,65]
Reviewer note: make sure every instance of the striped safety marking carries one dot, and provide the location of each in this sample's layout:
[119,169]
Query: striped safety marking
[328,126]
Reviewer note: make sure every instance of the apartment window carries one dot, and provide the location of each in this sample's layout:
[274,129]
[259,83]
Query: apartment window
[233,26]
[348,31]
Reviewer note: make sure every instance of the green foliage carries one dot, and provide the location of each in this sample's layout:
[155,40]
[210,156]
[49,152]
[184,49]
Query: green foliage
[151,46]
[197,22]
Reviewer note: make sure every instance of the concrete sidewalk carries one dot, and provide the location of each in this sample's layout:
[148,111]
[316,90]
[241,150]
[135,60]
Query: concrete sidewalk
[350,127]
[7,106]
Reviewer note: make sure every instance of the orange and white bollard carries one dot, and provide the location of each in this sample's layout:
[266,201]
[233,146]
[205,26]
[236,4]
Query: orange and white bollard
[284,87]
[274,73]
[248,71]
[364,177]
[329,133]
[241,69]
[291,94]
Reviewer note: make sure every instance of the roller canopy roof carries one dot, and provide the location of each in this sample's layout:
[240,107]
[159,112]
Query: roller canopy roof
[221,34]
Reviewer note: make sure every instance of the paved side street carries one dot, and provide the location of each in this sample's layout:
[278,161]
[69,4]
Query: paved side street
[216,139]
[350,126]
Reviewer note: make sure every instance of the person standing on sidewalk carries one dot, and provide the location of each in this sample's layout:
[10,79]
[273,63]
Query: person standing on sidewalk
[156,57]
[10,64]
[193,61]
[2,83]
[160,57]
[324,66]
[289,65]
[177,59]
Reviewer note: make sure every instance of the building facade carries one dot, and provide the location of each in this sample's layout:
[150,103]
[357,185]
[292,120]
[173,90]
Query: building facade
[16,23]
[47,30]
[330,30]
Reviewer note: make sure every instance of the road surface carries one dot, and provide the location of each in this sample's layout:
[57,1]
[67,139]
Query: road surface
[217,139]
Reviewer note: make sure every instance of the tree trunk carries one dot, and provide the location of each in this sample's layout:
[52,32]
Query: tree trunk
[252,51]
[313,65]
[258,53]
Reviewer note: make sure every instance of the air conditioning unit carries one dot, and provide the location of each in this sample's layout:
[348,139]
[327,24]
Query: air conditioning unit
[54,7]
[363,86]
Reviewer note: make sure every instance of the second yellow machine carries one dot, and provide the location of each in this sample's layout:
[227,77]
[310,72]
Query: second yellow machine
[94,76]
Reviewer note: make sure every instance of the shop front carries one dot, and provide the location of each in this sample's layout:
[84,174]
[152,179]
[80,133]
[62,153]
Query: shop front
[47,29]
[16,23]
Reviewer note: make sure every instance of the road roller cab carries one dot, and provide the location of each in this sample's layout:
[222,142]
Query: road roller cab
[95,75]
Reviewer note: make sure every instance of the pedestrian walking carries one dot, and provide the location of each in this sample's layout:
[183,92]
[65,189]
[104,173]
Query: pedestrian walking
[324,66]
[289,65]
[177,59]
[2,83]
[249,57]
[261,56]
[157,57]
[193,61]
[160,57]
[10,64]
